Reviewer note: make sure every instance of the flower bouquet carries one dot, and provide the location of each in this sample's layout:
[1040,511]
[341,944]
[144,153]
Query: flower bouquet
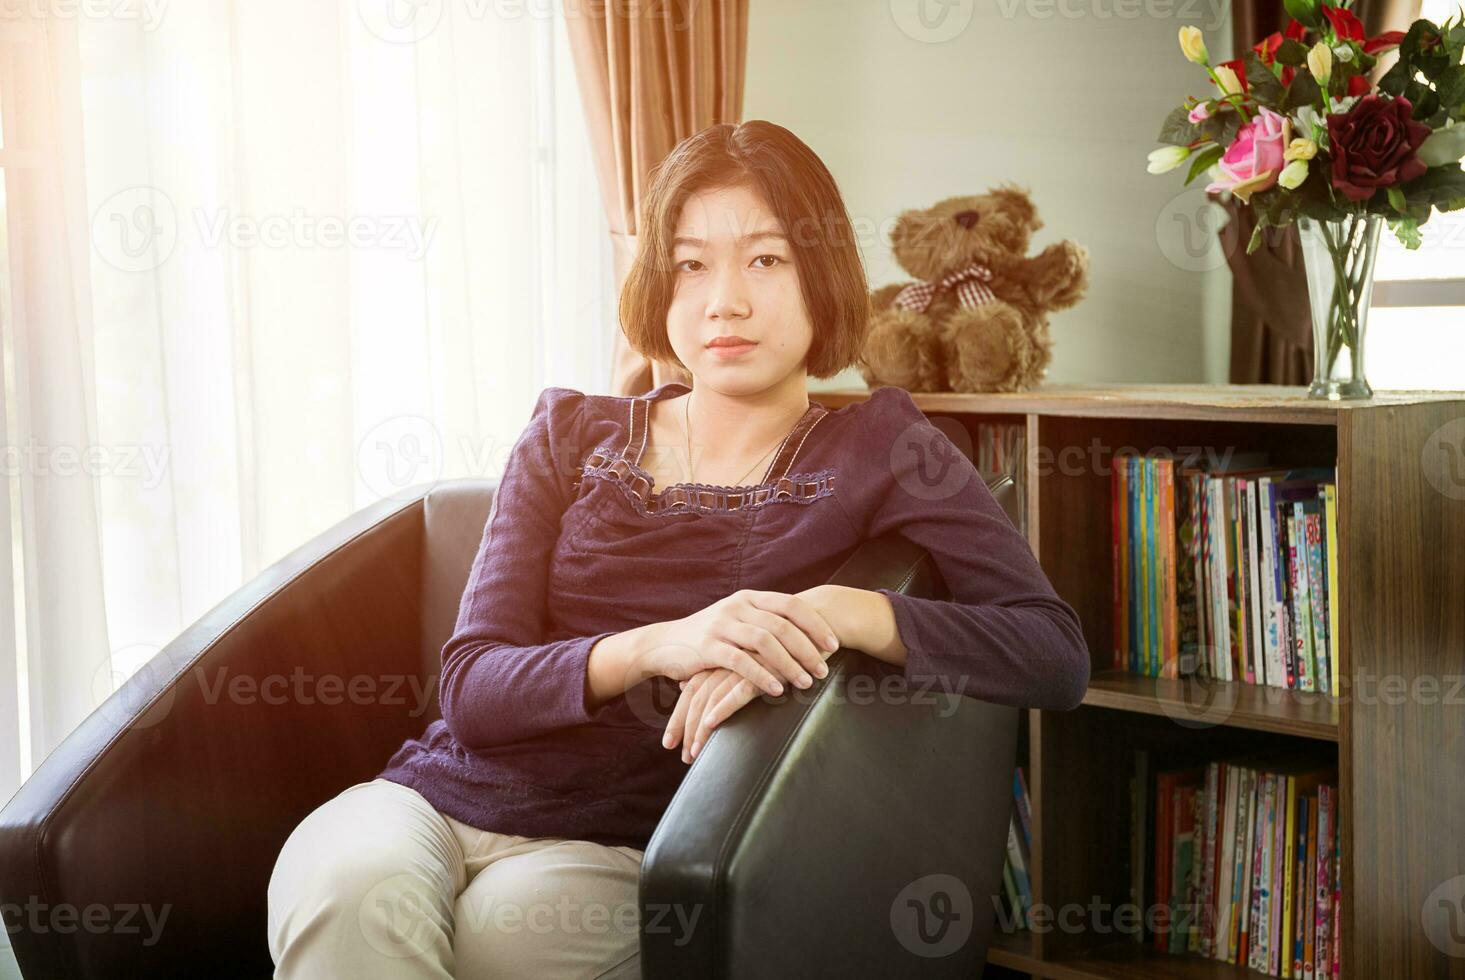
[1297,130]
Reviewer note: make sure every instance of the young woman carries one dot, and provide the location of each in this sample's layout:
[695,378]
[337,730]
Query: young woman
[633,589]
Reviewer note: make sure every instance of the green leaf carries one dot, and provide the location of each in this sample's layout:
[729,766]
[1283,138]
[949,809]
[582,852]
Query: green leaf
[1437,185]
[1396,198]
[1221,127]
[1304,11]
[1303,91]
[1203,160]
[1291,52]
[1407,231]
[1256,234]
[1177,129]
[1263,85]
[1396,78]
[1450,86]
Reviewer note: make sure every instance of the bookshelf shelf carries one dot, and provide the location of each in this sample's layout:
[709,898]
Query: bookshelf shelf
[1398,750]
[1193,704]
[1133,961]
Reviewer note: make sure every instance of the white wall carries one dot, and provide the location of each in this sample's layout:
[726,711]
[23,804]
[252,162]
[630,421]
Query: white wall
[1067,104]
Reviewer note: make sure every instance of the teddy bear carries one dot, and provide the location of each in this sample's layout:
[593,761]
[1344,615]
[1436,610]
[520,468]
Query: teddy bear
[976,319]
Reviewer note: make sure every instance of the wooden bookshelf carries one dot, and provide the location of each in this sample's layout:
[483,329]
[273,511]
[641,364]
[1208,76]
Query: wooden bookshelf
[1401,601]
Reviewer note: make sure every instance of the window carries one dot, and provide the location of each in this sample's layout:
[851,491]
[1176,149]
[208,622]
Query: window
[1416,328]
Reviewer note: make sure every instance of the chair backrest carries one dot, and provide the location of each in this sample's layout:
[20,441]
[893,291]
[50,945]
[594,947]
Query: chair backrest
[454,513]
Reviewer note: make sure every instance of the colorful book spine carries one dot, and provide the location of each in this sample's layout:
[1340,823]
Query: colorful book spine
[1330,503]
[1208,874]
[1313,534]
[1018,865]
[1322,897]
[1170,643]
[1337,945]
[1220,607]
[1283,967]
[1279,876]
[1297,556]
[1258,846]
[1156,630]
[1182,808]
[1309,919]
[1119,522]
[1299,880]
[1257,639]
[1136,563]
[1024,805]
[1147,549]
[1195,481]
[1270,585]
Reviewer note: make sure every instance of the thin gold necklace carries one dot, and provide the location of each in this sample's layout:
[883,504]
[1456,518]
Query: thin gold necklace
[687,428]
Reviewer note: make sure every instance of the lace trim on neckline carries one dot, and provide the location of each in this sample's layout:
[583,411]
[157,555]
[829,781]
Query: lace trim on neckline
[685,498]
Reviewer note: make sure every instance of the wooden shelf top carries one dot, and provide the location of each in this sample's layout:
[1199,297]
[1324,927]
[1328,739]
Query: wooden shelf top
[1141,961]
[1113,961]
[1261,403]
[1233,703]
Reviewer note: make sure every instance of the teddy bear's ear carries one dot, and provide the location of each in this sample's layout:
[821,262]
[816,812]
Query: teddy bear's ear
[1018,202]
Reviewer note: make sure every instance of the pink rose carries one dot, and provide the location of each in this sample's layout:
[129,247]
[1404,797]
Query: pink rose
[1200,113]
[1254,159]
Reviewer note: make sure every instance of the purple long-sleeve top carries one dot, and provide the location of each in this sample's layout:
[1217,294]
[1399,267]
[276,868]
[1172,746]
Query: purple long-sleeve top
[579,545]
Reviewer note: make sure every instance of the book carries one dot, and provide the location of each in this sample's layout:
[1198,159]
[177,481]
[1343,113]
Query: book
[1191,588]
[1024,805]
[1119,522]
[1301,602]
[1317,592]
[1169,644]
[1017,864]
[1255,640]
[1182,898]
[1316,966]
[1330,506]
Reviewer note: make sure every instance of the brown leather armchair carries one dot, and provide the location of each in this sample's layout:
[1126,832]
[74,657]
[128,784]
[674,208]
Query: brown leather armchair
[822,834]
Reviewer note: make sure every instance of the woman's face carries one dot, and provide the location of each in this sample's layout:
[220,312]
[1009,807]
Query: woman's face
[735,277]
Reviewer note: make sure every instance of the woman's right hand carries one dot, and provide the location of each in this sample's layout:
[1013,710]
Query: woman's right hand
[766,637]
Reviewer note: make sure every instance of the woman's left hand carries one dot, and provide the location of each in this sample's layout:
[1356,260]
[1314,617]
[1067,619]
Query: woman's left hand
[708,697]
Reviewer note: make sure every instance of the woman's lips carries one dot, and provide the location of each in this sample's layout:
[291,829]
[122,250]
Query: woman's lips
[728,352]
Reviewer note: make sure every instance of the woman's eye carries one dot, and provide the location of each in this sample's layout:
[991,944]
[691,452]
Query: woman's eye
[684,262]
[775,258]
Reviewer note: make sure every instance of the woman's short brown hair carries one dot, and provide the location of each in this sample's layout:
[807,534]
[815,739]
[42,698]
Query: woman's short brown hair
[800,191]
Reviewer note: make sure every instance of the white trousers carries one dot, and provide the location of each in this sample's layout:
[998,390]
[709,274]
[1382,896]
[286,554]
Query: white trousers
[375,882]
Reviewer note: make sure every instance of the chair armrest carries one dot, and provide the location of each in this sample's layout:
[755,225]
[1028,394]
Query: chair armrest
[807,822]
[174,797]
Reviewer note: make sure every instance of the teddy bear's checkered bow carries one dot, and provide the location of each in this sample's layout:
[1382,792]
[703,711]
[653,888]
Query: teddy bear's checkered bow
[971,289]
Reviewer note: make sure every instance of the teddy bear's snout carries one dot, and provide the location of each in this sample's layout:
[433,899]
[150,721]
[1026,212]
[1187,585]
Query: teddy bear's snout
[966,218]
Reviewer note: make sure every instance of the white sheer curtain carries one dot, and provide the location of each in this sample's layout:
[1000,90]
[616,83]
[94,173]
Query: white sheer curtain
[266,262]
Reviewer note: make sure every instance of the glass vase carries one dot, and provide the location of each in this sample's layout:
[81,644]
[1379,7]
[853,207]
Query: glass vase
[1339,257]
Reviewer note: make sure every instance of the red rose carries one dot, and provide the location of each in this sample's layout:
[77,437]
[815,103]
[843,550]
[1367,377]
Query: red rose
[1388,39]
[1347,26]
[1373,145]
[1266,50]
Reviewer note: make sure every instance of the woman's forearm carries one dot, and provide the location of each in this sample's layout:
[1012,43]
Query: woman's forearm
[862,620]
[614,663]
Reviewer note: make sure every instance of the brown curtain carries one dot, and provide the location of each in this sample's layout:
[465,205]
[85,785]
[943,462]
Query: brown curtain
[1271,327]
[650,75]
